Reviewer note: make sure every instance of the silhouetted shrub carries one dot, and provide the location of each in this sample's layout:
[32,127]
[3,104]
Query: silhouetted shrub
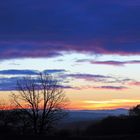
[135,111]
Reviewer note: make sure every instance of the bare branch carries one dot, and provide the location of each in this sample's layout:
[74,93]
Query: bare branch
[42,99]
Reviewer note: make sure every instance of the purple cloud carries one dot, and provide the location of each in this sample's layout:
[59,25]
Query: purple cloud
[111,87]
[10,83]
[109,62]
[19,72]
[99,78]
[33,28]
[102,87]
[115,63]
[54,71]
[30,72]
[89,77]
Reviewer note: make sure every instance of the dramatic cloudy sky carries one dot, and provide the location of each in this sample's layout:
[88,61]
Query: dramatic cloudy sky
[92,46]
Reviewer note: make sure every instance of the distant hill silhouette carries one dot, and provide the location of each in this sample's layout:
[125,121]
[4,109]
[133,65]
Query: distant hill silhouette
[83,115]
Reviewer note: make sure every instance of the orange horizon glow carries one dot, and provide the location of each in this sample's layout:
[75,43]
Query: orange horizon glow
[92,99]
[83,107]
[100,107]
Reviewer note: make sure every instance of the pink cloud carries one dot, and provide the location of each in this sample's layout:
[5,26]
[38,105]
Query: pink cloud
[134,83]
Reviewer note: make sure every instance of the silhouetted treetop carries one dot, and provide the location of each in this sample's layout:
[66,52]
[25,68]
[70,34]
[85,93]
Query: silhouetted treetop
[135,111]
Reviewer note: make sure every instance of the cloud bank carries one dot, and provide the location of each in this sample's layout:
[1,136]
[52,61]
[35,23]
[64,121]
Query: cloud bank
[33,28]
[9,78]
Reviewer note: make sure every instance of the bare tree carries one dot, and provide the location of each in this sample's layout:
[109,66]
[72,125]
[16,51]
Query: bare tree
[41,100]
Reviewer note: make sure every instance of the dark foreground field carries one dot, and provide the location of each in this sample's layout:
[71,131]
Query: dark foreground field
[112,137]
[122,127]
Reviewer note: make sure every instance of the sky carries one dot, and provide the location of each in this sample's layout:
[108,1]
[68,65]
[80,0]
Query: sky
[91,46]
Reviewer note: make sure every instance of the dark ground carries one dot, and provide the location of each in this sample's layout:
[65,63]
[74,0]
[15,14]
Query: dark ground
[113,137]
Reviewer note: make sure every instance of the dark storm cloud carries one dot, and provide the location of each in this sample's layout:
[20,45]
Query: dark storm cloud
[46,28]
